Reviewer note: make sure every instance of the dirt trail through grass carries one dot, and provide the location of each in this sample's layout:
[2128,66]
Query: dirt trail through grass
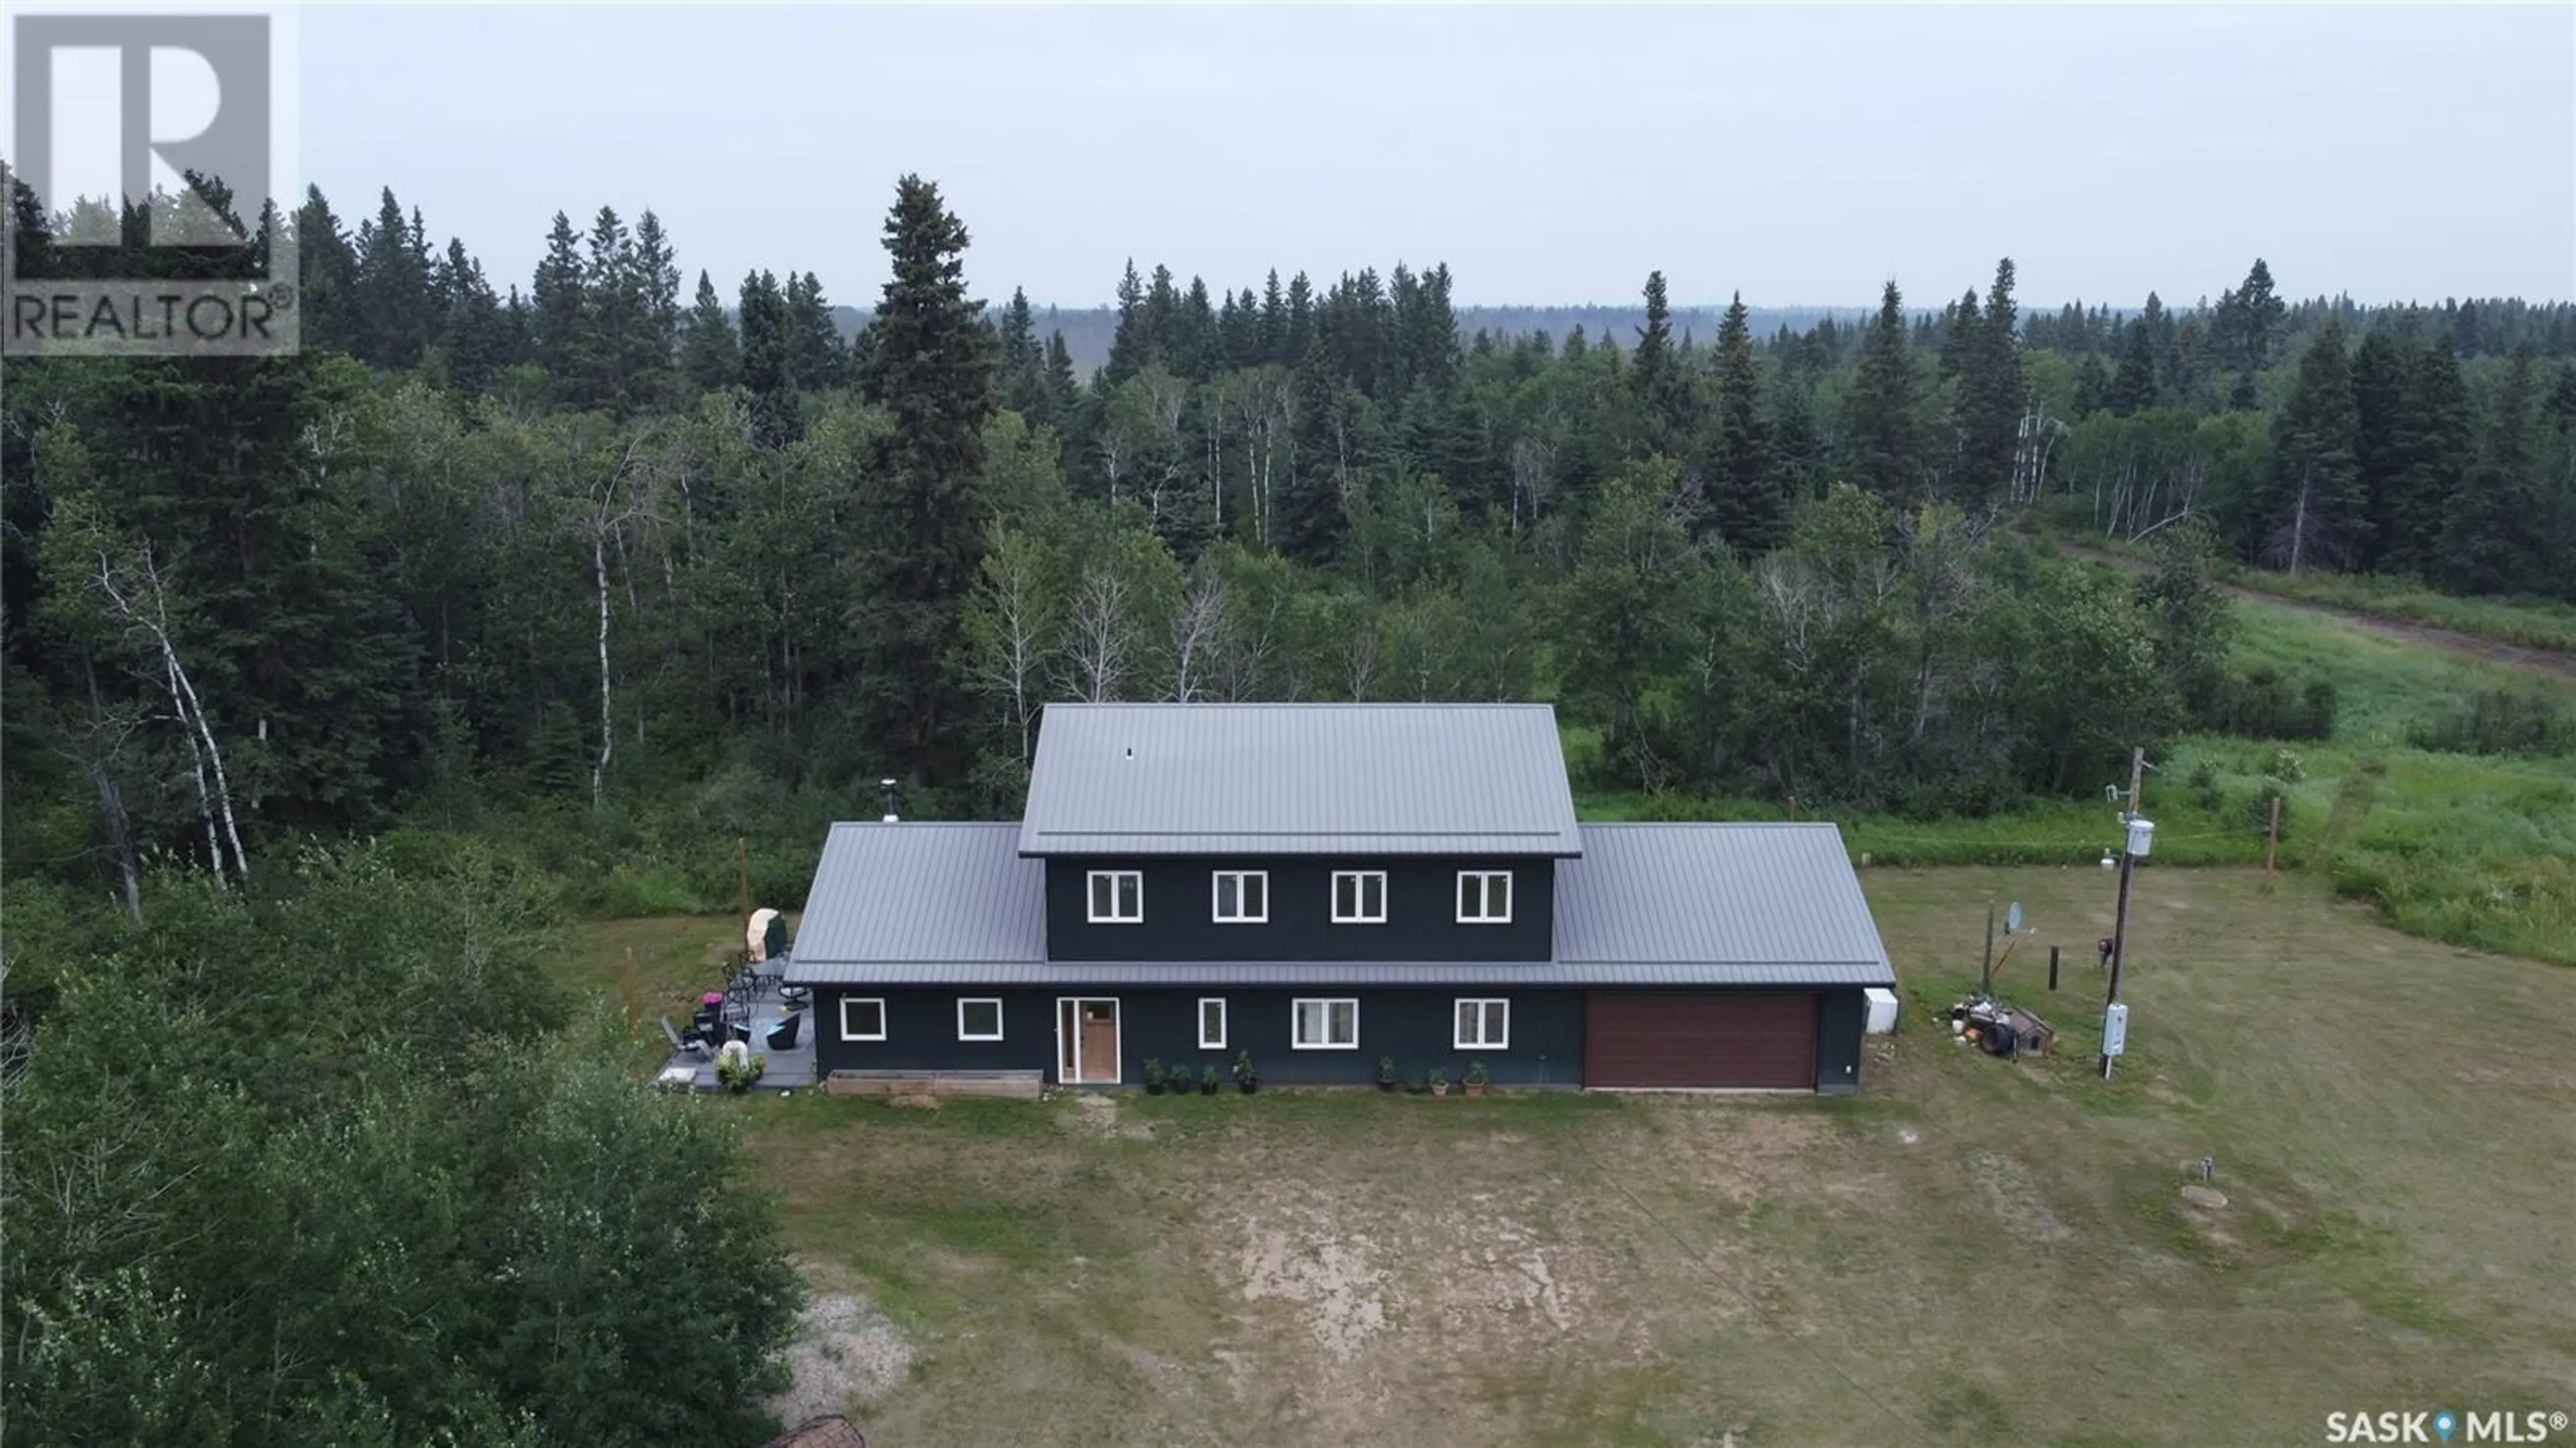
[2522,656]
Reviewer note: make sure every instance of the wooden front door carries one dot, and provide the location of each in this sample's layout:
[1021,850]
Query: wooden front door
[1086,1041]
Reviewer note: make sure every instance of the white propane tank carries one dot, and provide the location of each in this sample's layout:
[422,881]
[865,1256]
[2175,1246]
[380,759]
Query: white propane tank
[2115,1028]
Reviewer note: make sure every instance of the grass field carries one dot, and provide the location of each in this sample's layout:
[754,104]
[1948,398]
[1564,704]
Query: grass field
[1968,1251]
[2538,623]
[2472,850]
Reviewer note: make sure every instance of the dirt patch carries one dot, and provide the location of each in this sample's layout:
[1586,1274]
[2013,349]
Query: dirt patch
[1096,1114]
[2012,1194]
[845,1354]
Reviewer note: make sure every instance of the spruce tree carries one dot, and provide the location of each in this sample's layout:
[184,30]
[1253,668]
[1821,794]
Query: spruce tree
[710,356]
[765,370]
[1990,422]
[2312,511]
[1883,435]
[817,361]
[921,530]
[2133,387]
[328,267]
[1661,388]
[474,335]
[393,313]
[2489,544]
[1132,347]
[556,301]
[1746,504]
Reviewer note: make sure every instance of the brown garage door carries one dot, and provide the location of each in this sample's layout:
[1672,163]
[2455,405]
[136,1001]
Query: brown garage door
[1699,1038]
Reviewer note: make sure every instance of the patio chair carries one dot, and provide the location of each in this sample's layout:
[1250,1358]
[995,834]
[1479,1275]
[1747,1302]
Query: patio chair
[682,1045]
[782,1033]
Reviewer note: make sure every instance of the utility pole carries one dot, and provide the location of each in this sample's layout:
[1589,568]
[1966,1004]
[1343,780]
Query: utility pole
[2129,852]
[1986,977]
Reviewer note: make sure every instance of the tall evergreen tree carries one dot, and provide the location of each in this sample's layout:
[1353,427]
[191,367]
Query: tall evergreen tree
[1745,497]
[767,372]
[1883,434]
[474,336]
[1132,347]
[816,359]
[1661,387]
[1024,364]
[710,355]
[2133,387]
[394,311]
[922,528]
[1993,399]
[557,300]
[2491,542]
[2312,512]
[328,268]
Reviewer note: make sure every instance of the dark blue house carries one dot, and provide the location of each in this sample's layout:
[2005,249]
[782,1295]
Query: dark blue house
[1323,885]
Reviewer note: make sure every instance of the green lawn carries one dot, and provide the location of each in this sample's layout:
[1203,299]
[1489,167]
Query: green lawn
[1968,1251]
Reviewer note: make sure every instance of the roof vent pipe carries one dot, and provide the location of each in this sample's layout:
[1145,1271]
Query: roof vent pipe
[1131,751]
[888,786]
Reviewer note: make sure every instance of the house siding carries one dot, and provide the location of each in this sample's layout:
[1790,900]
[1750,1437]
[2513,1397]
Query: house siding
[1421,912]
[1841,1016]
[1416,1027]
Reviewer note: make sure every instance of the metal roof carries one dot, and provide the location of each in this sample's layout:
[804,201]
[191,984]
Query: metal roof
[892,894]
[1312,779]
[1645,905]
[1778,895]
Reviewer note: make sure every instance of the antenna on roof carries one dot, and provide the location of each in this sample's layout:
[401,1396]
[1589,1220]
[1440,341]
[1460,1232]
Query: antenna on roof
[888,786]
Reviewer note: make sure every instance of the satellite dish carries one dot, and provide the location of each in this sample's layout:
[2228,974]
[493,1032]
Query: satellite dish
[2012,919]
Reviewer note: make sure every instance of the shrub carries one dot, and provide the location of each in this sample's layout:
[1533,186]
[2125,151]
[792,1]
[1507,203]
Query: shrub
[2499,721]
[2262,703]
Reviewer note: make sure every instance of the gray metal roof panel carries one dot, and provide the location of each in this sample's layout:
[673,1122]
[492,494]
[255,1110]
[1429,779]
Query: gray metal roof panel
[924,893]
[1343,779]
[1680,893]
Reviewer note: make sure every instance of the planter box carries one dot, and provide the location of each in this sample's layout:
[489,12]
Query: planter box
[1009,1085]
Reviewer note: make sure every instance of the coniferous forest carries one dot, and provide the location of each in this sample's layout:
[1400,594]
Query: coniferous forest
[511,598]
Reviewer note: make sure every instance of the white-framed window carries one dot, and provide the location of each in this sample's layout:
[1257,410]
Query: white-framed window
[1483,1025]
[979,1018]
[1211,1023]
[1327,1025]
[1242,897]
[862,1018]
[1117,897]
[1484,897]
[1359,897]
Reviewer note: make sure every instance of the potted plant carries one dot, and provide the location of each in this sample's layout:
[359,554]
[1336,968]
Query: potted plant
[1207,1080]
[1476,1078]
[1386,1073]
[737,1068]
[1421,1085]
[1439,1081]
[1245,1075]
[1153,1075]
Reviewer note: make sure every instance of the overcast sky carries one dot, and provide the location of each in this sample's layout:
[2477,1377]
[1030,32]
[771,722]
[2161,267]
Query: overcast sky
[1548,155]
